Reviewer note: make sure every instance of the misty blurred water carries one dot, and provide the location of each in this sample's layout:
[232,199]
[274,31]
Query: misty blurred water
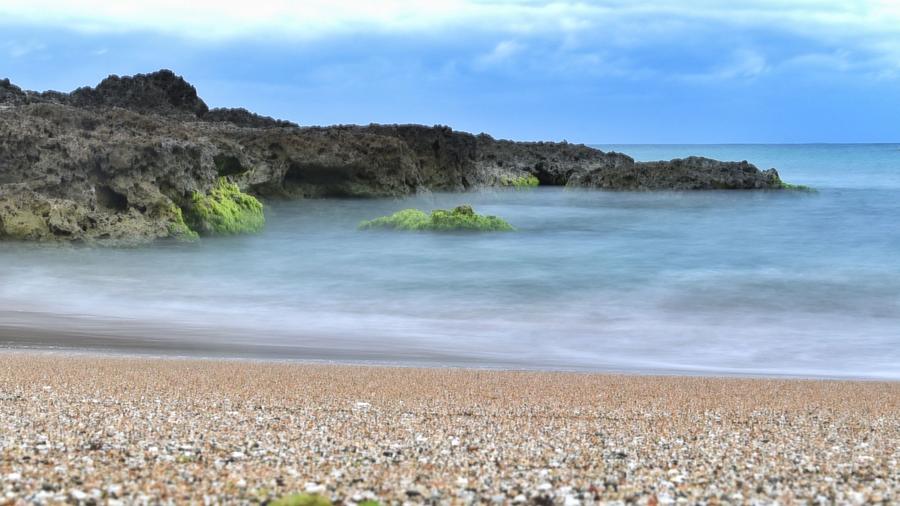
[707,282]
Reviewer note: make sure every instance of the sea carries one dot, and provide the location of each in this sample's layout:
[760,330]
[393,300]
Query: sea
[745,283]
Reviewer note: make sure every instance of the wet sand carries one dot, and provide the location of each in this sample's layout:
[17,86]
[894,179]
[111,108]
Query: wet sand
[77,333]
[112,429]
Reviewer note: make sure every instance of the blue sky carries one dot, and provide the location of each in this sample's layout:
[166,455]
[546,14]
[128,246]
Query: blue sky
[618,71]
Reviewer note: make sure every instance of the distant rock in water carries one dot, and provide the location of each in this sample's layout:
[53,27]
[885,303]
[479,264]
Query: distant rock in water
[124,162]
[692,173]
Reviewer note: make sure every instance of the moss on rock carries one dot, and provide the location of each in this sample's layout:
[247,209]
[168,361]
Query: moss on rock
[225,210]
[177,226]
[461,218]
[464,218]
[22,224]
[795,187]
[526,181]
[407,219]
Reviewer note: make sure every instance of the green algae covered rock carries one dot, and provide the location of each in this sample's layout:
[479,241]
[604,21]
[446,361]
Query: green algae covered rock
[225,210]
[526,181]
[462,218]
[796,187]
[407,219]
[177,227]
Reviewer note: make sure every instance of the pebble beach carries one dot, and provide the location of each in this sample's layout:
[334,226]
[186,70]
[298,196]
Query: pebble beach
[121,430]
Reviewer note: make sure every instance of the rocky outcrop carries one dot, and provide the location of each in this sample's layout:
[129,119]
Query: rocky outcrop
[552,163]
[692,173]
[119,163]
[160,92]
[243,117]
[10,94]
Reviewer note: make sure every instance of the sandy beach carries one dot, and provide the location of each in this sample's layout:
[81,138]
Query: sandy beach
[106,430]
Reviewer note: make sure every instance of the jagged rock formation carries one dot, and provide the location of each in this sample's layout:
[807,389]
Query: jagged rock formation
[119,162]
[10,94]
[243,117]
[692,173]
[160,93]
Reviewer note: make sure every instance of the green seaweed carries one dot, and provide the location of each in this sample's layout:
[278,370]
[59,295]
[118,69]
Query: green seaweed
[301,500]
[178,228]
[461,218]
[407,219]
[225,210]
[526,181]
[464,218]
[795,187]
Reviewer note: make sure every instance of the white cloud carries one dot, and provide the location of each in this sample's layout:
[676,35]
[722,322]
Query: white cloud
[834,60]
[21,49]
[314,18]
[865,28]
[503,51]
[215,19]
[744,64]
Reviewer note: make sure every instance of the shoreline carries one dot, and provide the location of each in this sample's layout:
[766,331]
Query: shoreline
[101,428]
[345,361]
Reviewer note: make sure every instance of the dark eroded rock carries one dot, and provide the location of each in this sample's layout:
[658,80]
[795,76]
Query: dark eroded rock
[124,162]
[10,94]
[243,117]
[693,173]
[160,92]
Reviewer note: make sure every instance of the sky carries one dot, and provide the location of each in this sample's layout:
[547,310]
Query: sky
[605,71]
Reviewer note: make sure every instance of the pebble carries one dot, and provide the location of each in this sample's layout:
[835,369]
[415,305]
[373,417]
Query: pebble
[133,431]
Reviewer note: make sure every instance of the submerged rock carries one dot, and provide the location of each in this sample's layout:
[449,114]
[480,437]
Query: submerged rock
[459,219]
[125,160]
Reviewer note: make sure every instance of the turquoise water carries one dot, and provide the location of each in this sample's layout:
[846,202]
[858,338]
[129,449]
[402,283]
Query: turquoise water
[771,283]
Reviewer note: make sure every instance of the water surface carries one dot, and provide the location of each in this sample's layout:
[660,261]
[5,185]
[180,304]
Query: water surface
[772,283]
